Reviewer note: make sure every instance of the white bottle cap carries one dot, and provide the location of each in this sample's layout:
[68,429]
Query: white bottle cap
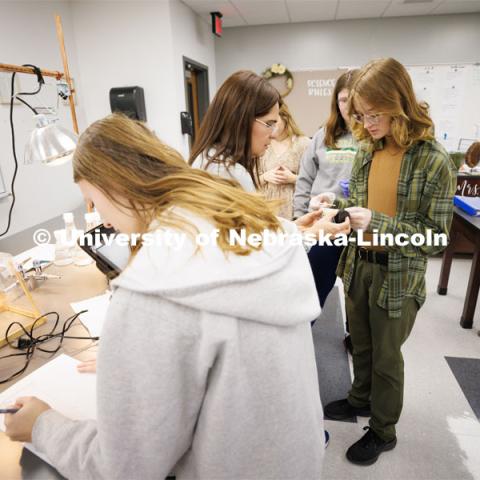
[68,217]
[93,218]
[90,217]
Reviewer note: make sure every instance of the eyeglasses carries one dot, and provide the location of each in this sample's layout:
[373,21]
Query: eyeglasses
[271,126]
[373,118]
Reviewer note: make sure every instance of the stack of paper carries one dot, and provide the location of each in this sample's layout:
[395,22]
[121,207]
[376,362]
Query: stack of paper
[60,385]
[97,311]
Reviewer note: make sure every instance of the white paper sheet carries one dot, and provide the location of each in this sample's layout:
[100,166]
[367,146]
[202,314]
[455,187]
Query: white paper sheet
[97,310]
[60,385]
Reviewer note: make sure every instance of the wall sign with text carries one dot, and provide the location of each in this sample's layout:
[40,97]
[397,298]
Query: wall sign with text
[309,101]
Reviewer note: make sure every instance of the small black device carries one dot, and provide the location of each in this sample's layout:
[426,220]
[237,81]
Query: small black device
[110,257]
[341,216]
[187,123]
[130,101]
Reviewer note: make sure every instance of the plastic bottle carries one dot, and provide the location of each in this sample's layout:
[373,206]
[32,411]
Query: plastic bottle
[70,229]
[92,220]
[65,241]
[63,252]
[79,257]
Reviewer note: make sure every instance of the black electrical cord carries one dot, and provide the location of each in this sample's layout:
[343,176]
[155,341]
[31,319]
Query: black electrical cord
[25,103]
[12,187]
[41,81]
[32,343]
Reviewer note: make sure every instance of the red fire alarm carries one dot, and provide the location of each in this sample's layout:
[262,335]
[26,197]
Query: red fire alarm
[216,23]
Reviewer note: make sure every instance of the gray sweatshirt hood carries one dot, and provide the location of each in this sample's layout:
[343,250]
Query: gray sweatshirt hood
[205,278]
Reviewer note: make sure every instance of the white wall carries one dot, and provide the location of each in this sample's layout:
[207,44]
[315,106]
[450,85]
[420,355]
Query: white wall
[109,44]
[141,43]
[28,35]
[303,46]
[126,44]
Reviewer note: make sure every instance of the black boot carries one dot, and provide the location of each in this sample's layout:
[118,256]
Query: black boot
[367,450]
[342,410]
[347,343]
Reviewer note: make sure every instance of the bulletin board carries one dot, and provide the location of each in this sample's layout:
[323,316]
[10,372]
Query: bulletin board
[452,92]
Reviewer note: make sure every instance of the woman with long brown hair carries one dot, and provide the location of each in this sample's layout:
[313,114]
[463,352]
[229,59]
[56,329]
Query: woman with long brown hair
[402,184]
[237,129]
[195,374]
[279,165]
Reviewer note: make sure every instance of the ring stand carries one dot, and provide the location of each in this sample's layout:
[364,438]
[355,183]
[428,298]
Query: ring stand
[32,313]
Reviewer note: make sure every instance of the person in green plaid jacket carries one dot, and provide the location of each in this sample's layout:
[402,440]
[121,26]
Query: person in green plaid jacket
[402,182]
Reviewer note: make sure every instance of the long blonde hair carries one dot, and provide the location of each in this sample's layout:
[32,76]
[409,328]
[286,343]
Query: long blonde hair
[291,127]
[386,85]
[124,159]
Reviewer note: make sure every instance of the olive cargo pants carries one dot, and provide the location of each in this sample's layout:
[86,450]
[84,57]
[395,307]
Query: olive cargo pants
[377,340]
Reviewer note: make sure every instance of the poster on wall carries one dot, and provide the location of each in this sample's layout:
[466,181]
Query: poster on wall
[310,99]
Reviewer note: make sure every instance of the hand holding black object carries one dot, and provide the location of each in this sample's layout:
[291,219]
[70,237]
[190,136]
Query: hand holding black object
[341,216]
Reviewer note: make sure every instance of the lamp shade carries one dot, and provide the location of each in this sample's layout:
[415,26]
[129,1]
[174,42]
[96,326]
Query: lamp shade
[49,143]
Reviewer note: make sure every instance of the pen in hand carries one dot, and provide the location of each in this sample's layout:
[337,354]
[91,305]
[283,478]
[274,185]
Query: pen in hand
[9,410]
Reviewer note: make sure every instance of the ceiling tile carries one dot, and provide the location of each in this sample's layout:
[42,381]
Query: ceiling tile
[400,9]
[458,6]
[231,17]
[312,10]
[361,8]
[261,12]
[207,6]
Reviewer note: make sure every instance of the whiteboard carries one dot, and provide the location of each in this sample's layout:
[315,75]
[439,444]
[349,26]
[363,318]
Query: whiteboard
[453,93]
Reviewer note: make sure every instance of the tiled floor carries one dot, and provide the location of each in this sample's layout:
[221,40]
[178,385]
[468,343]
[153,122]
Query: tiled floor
[438,434]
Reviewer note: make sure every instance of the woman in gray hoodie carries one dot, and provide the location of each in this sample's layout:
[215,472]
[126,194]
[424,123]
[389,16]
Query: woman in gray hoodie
[326,161]
[203,368]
